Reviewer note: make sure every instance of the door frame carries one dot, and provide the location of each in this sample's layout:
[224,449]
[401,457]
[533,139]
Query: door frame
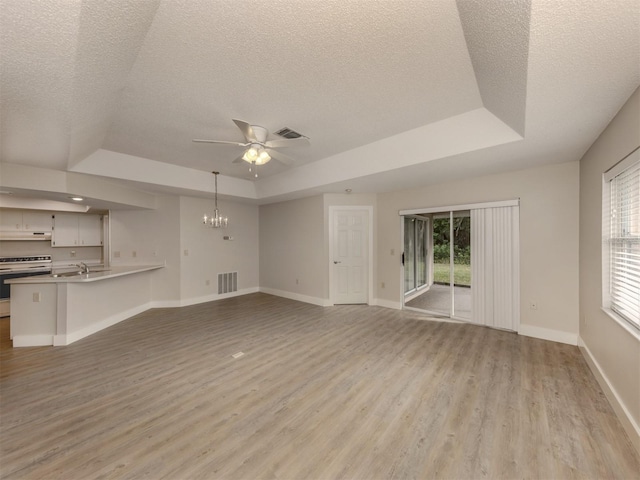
[450,209]
[429,272]
[333,209]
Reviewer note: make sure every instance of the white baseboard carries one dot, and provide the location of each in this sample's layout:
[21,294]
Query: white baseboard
[165,304]
[214,296]
[380,302]
[322,302]
[548,334]
[69,338]
[32,340]
[628,423]
[61,340]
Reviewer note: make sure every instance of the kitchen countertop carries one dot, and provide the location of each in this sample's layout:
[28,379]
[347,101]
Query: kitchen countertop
[109,272]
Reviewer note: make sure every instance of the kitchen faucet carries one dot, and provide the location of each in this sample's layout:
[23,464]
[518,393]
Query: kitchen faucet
[84,267]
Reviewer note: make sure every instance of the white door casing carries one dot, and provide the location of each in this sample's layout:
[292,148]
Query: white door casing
[350,255]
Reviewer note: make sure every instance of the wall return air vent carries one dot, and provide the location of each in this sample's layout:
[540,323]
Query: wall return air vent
[227,282]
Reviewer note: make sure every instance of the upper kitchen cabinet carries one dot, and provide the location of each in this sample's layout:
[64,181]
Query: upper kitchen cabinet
[90,230]
[18,221]
[76,230]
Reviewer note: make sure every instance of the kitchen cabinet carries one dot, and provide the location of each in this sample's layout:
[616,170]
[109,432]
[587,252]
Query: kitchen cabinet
[76,230]
[17,221]
[10,221]
[89,230]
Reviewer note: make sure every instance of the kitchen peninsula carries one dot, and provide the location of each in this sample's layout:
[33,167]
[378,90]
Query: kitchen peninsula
[59,310]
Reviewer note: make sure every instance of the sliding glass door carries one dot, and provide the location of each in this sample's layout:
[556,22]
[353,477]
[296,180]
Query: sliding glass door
[448,292]
[462,263]
[415,253]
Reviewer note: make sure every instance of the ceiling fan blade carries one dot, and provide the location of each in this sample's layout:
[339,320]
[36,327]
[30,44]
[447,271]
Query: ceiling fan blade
[281,157]
[246,130]
[239,159]
[288,142]
[237,144]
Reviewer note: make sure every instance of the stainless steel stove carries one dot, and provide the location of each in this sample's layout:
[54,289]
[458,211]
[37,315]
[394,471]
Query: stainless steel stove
[32,263]
[15,267]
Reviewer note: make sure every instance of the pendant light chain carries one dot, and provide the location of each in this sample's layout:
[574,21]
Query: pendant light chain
[216,220]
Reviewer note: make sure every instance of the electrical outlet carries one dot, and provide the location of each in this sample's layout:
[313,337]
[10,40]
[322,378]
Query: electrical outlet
[36,296]
[73,253]
[134,254]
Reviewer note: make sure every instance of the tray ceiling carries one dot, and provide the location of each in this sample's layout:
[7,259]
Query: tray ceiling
[392,93]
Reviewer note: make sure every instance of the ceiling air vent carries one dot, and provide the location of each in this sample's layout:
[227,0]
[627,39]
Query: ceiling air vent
[288,133]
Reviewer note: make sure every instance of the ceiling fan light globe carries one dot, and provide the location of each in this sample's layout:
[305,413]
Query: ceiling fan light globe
[263,158]
[251,155]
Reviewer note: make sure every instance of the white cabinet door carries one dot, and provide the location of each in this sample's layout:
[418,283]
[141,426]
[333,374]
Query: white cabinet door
[65,232]
[18,221]
[89,230]
[36,222]
[76,230]
[10,221]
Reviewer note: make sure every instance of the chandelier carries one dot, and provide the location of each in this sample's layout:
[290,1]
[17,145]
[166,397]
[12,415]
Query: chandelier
[216,220]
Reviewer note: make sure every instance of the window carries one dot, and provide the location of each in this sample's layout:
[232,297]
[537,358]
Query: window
[622,238]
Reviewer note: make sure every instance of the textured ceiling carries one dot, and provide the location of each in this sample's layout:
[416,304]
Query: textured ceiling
[392,93]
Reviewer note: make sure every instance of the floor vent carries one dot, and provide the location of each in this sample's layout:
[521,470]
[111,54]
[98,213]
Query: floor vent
[227,282]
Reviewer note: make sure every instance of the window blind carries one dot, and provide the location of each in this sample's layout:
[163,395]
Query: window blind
[624,244]
[495,268]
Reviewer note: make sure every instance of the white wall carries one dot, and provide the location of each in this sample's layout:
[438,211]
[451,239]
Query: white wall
[548,240]
[292,247]
[614,351]
[155,237]
[163,235]
[209,255]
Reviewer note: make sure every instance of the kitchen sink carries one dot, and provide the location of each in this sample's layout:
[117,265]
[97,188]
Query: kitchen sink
[65,274]
[74,274]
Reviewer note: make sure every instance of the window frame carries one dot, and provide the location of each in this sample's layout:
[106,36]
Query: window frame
[631,161]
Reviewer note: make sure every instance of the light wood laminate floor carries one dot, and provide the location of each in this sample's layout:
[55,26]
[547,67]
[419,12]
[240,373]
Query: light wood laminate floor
[320,393]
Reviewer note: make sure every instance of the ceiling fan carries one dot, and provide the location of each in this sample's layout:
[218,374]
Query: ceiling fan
[259,150]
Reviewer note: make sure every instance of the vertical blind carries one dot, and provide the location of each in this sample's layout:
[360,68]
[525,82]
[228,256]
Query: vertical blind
[495,287]
[624,243]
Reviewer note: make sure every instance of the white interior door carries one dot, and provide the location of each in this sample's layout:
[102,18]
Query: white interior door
[350,252]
